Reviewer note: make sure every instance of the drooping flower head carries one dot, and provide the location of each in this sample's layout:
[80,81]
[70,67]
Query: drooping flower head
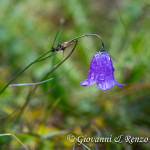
[101,72]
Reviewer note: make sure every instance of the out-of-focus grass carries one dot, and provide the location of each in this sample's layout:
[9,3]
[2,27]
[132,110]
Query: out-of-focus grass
[27,30]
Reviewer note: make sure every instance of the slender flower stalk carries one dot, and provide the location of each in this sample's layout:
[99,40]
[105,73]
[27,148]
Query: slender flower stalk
[54,51]
[34,89]
[50,53]
[23,70]
[89,35]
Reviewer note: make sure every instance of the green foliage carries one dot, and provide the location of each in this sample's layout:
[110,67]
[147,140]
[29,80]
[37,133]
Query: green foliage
[62,106]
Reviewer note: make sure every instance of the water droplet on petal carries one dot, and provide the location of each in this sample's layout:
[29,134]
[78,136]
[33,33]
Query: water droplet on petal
[100,85]
[104,63]
[107,57]
[94,64]
[92,76]
[101,77]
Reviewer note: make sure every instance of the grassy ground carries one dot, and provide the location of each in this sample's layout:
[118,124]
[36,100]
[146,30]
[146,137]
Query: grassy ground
[43,119]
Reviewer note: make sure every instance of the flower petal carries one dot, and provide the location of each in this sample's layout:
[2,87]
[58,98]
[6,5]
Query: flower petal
[101,72]
[119,84]
[92,75]
[104,85]
[85,83]
[105,79]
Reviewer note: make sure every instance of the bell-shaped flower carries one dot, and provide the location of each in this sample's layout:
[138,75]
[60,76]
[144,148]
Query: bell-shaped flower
[101,72]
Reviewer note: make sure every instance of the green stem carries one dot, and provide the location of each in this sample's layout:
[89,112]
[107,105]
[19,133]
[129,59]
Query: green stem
[35,61]
[34,89]
[89,35]
[23,70]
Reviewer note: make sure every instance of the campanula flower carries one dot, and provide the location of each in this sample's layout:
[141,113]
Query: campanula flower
[101,72]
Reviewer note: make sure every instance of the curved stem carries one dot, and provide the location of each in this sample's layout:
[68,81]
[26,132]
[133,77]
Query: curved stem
[23,70]
[34,89]
[37,60]
[90,35]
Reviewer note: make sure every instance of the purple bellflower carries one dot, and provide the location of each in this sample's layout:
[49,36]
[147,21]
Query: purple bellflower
[101,72]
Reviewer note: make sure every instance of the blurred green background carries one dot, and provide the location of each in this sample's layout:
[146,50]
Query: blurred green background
[62,106]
